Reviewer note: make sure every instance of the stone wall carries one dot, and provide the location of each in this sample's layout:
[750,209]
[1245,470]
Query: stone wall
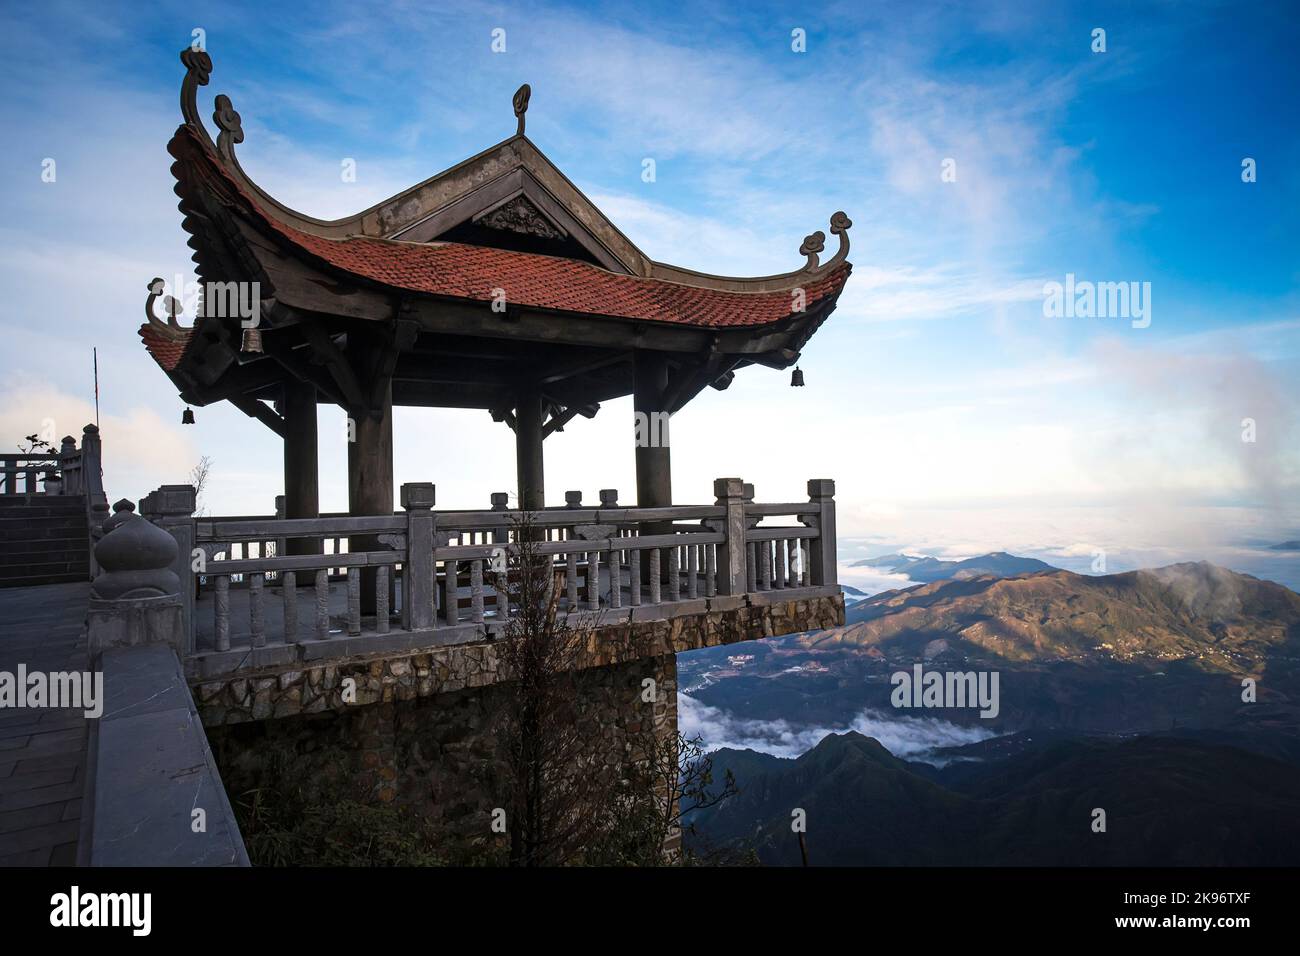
[437,671]
[421,729]
[440,755]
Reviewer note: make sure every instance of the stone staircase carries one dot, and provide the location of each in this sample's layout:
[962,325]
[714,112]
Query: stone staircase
[43,540]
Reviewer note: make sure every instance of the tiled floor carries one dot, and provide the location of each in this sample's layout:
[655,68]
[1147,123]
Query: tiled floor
[42,752]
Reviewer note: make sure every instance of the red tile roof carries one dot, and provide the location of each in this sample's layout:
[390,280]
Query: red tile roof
[474,273]
[547,282]
[166,351]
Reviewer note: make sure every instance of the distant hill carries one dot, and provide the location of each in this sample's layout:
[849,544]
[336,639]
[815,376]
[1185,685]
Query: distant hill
[1226,621]
[926,569]
[1286,546]
[1168,801]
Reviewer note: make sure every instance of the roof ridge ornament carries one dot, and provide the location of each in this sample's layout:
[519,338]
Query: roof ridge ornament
[815,243]
[171,305]
[230,124]
[522,96]
[198,67]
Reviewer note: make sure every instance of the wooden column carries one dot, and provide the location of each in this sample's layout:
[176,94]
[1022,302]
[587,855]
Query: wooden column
[370,478]
[528,451]
[301,469]
[654,478]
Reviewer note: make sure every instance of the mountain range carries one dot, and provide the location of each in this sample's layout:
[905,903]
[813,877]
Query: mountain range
[1169,697]
[1228,621]
[925,569]
[1168,801]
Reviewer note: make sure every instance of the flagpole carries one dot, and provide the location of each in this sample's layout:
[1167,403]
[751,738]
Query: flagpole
[95,352]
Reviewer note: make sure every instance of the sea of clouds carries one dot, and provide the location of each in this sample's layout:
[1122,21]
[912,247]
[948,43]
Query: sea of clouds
[908,738]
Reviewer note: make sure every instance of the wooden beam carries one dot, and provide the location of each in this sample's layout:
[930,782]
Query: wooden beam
[565,415]
[339,367]
[255,409]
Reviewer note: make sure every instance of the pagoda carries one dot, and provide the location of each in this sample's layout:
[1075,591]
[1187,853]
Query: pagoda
[495,284]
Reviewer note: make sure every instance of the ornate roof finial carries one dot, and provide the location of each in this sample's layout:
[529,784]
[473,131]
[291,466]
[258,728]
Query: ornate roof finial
[521,105]
[198,67]
[171,306]
[816,243]
[812,244]
[228,121]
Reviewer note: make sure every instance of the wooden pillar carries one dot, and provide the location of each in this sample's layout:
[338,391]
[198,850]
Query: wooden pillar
[528,451]
[654,478]
[301,469]
[370,478]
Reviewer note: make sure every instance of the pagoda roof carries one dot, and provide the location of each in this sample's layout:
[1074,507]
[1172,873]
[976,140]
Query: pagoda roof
[506,220]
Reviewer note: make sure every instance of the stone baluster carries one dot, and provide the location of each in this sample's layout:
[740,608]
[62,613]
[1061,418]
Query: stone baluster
[221,611]
[354,601]
[256,617]
[289,596]
[674,575]
[476,590]
[322,589]
[634,577]
[381,598]
[655,592]
[571,579]
[593,580]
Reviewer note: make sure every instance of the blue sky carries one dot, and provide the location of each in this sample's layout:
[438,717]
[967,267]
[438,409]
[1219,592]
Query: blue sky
[952,413]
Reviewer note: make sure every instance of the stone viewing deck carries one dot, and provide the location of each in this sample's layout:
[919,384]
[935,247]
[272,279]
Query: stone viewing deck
[42,752]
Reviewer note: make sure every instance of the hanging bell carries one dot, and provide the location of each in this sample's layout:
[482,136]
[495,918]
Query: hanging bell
[187,417]
[252,340]
[796,378]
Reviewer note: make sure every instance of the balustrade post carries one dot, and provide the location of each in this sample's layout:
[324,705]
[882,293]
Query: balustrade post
[171,507]
[417,499]
[501,502]
[70,466]
[136,597]
[821,492]
[730,493]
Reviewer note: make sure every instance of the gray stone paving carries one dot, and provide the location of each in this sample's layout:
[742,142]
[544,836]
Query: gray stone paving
[42,752]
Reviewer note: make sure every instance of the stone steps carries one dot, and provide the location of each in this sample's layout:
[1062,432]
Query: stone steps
[43,540]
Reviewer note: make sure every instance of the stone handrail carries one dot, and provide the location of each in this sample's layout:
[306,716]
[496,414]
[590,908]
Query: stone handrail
[34,472]
[150,775]
[442,575]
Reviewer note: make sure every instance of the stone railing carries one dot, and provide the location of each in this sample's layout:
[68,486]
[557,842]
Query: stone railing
[71,471]
[440,577]
[30,474]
